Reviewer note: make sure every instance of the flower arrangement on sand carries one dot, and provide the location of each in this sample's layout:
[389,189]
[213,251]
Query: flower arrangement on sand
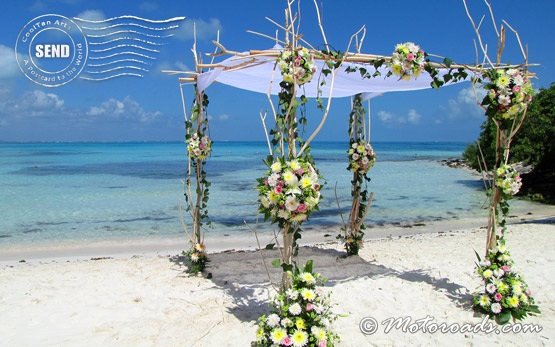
[508,180]
[301,316]
[289,191]
[361,156]
[509,93]
[296,66]
[407,60]
[504,294]
[197,258]
[199,146]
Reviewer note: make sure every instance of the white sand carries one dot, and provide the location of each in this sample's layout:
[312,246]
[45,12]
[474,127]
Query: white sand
[148,301]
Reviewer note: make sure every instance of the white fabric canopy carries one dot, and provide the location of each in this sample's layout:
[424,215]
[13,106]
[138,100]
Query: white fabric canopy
[260,73]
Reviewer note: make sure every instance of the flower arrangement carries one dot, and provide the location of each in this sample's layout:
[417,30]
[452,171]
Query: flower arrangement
[296,66]
[289,191]
[508,180]
[199,146]
[509,93]
[301,316]
[197,258]
[407,60]
[504,293]
[361,156]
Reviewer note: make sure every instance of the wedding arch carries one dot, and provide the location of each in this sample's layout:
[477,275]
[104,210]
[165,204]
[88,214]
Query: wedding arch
[295,72]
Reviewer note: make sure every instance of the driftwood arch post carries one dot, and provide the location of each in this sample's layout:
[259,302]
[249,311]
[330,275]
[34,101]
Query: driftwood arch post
[361,159]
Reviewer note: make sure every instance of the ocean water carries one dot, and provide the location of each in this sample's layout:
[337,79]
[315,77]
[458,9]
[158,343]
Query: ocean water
[92,191]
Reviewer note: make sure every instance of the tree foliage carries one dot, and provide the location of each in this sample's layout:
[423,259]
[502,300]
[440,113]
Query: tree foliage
[534,145]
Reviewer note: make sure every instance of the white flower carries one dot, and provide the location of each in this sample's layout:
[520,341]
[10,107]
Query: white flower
[306,181]
[307,277]
[290,178]
[295,309]
[276,166]
[292,294]
[498,273]
[283,214]
[278,334]
[319,333]
[490,288]
[273,179]
[299,338]
[504,100]
[291,203]
[355,156]
[495,307]
[285,322]
[294,165]
[308,294]
[301,217]
[318,308]
[273,320]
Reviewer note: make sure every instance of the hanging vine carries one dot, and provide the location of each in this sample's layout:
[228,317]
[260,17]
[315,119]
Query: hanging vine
[361,159]
[197,191]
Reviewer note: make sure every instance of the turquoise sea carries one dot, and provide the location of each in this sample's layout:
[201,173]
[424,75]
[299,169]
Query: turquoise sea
[92,191]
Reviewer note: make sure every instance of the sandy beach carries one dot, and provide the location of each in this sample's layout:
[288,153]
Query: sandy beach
[145,299]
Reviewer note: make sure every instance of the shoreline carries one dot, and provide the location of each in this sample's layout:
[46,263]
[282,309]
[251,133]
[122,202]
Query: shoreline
[217,242]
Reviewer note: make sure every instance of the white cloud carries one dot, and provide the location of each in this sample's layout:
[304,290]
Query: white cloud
[92,15]
[412,117]
[8,64]
[385,116]
[205,30]
[126,109]
[465,105]
[223,117]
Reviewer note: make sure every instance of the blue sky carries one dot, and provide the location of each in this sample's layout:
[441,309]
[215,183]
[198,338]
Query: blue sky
[149,108]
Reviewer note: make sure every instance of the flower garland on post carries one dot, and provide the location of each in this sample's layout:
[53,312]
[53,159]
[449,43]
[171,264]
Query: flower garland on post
[361,159]
[290,190]
[199,147]
[301,316]
[504,294]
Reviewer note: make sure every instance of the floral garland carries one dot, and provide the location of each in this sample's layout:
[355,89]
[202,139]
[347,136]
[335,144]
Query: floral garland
[296,66]
[289,191]
[199,146]
[361,156]
[508,180]
[197,258]
[510,92]
[407,60]
[504,293]
[301,316]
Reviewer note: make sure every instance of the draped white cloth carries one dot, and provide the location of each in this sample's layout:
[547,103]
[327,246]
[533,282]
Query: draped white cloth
[260,74]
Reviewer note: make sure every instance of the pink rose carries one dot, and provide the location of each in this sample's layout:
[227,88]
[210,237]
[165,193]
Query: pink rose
[498,296]
[410,57]
[322,343]
[309,307]
[516,89]
[287,341]
[299,172]
[278,189]
[505,268]
[302,208]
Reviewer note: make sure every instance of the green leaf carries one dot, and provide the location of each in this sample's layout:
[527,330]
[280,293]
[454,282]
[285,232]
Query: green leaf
[504,317]
[308,266]
[276,263]
[447,62]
